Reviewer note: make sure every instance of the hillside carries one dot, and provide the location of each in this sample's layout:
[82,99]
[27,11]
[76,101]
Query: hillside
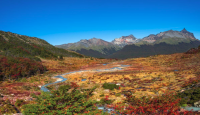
[97,45]
[21,55]
[133,51]
[16,45]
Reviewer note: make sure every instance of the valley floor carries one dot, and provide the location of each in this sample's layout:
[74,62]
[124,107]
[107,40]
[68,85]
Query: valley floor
[150,76]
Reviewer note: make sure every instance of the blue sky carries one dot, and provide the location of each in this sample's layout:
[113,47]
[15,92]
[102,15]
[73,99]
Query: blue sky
[68,21]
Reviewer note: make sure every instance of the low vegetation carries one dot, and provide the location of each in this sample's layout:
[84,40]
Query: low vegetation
[61,101]
[15,68]
[158,84]
[110,86]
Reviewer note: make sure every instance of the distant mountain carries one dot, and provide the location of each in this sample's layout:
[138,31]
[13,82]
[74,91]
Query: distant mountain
[95,45]
[125,40]
[99,48]
[133,51]
[91,53]
[170,37]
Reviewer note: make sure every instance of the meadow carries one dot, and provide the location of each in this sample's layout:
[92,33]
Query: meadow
[150,85]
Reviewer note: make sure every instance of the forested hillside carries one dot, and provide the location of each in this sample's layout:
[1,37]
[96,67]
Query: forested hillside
[20,55]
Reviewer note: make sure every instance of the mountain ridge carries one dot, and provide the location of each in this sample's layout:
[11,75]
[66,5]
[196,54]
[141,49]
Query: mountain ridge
[93,47]
[93,43]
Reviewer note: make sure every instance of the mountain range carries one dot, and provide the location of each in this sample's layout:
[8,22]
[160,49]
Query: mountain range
[102,49]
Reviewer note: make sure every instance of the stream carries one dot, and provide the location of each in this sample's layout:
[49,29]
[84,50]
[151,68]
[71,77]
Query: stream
[105,109]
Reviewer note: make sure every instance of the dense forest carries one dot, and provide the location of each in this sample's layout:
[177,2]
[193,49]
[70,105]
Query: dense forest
[20,55]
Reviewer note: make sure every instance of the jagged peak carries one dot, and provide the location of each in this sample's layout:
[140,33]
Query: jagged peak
[94,38]
[131,35]
[184,30]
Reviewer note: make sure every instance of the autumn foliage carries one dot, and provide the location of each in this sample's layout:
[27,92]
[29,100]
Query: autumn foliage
[14,68]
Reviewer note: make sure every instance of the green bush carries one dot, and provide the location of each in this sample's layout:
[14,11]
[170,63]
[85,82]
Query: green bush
[189,96]
[105,101]
[110,86]
[101,95]
[184,105]
[61,102]
[6,107]
[118,94]
[19,102]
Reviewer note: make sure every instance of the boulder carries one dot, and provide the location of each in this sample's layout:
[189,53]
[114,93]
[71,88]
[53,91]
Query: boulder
[197,104]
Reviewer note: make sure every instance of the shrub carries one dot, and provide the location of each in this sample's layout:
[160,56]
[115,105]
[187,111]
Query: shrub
[118,94]
[189,96]
[6,107]
[19,102]
[61,102]
[101,95]
[184,105]
[110,86]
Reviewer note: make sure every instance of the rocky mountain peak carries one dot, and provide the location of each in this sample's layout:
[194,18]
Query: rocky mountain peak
[125,40]
[93,38]
[183,34]
[188,34]
[128,37]
[184,30]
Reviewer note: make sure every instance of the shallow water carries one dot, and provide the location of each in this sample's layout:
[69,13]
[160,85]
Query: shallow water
[105,109]
[83,80]
[190,108]
[43,88]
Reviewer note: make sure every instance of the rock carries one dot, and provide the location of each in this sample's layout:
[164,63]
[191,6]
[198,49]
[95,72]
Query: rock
[197,104]
[95,93]
[106,90]
[182,90]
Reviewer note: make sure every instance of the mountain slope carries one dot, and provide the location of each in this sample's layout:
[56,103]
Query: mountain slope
[20,55]
[16,45]
[170,37]
[133,51]
[94,45]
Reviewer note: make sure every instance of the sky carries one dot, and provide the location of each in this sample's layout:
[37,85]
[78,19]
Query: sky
[68,21]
